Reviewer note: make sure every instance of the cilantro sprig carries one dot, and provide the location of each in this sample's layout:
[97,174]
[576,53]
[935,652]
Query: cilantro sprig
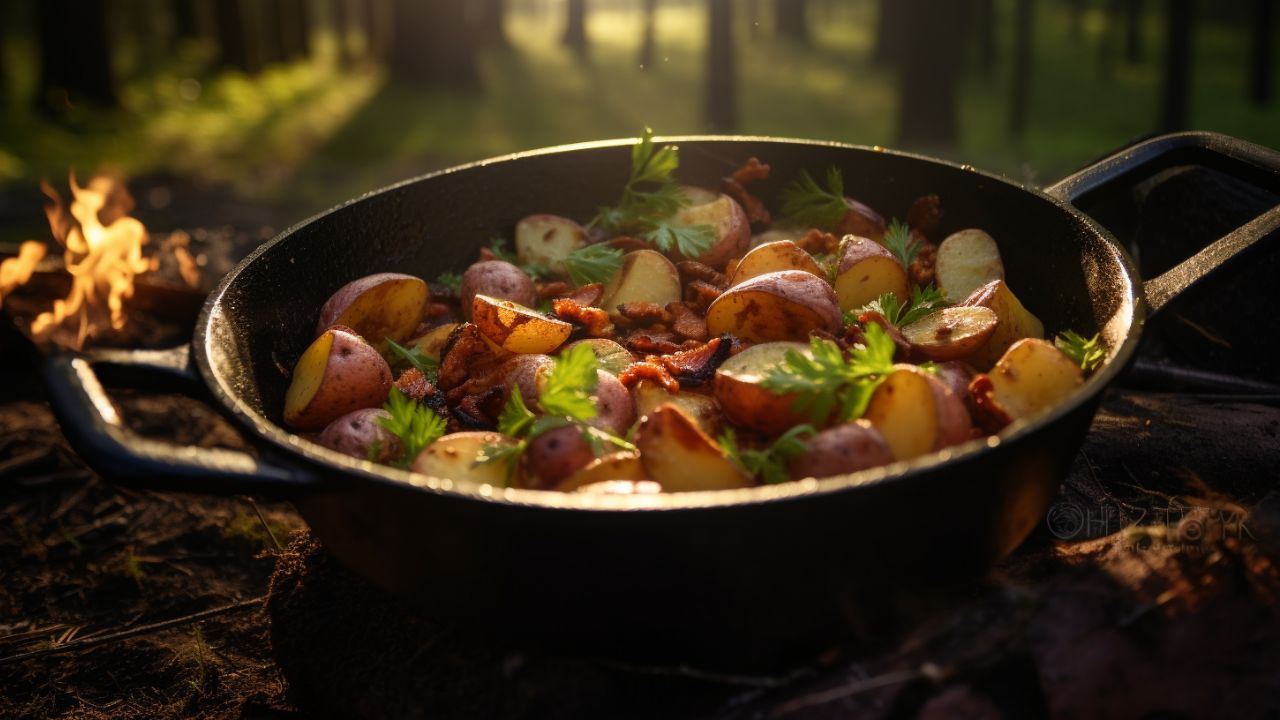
[924,300]
[649,199]
[826,381]
[416,425]
[593,264]
[770,464]
[414,357]
[807,203]
[1088,353]
[899,241]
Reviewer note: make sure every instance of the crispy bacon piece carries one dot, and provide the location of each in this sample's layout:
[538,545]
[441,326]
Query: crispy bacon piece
[595,320]
[687,322]
[588,295]
[548,289]
[465,356]
[735,187]
[652,344]
[922,270]
[415,386]
[903,347]
[643,313]
[987,413]
[697,365]
[480,411]
[486,254]
[437,310]
[817,242]
[691,270]
[700,294]
[648,370]
[925,215]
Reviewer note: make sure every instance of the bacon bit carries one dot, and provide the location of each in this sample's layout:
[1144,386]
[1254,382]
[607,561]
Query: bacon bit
[925,215]
[480,411]
[548,289]
[437,309]
[735,186]
[693,270]
[987,413]
[588,295]
[643,313]
[697,366]
[700,294]
[486,254]
[687,322]
[652,344]
[595,320]
[903,350]
[465,356]
[923,267]
[817,242]
[648,370]
[415,386]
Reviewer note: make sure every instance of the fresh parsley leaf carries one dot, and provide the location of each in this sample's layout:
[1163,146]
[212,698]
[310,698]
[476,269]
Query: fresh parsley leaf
[1088,353]
[826,381]
[770,464]
[570,383]
[451,280]
[898,240]
[507,454]
[516,417]
[690,240]
[924,300]
[414,356]
[593,264]
[805,202]
[415,424]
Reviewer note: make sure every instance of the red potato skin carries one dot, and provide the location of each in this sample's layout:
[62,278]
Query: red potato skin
[840,450]
[956,375]
[553,456]
[733,243]
[356,432]
[498,279]
[522,371]
[355,377]
[862,221]
[615,409]
[954,423]
[347,294]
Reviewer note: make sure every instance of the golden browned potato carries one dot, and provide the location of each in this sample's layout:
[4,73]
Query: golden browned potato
[377,307]
[916,413]
[966,261]
[729,223]
[784,305]
[649,395]
[497,279]
[1014,322]
[461,457]
[547,240]
[842,449]
[620,466]
[516,328]
[1032,377]
[951,333]
[432,343]
[866,271]
[646,276]
[682,458]
[745,401]
[338,373]
[772,257]
[613,358]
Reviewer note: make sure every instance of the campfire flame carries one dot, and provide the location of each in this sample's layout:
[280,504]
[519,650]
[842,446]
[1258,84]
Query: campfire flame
[17,270]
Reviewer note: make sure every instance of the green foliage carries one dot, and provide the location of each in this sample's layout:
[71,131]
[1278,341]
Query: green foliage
[414,357]
[924,300]
[1088,353]
[770,464]
[451,280]
[898,240]
[826,381]
[593,264]
[415,424]
[809,205]
[567,392]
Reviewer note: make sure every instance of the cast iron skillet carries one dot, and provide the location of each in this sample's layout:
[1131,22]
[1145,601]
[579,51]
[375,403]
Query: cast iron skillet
[750,574]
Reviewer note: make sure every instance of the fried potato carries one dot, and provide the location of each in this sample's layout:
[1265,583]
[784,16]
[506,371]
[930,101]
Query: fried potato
[646,276]
[496,279]
[462,457]
[1032,377]
[966,261]
[338,373]
[866,271]
[745,401]
[547,240]
[649,396]
[772,257]
[682,458]
[784,305]
[516,328]
[916,413]
[1014,322]
[615,467]
[377,307]
[842,449]
[951,333]
[729,223]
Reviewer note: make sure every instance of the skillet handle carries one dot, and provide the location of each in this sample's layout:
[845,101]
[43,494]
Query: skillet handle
[1245,161]
[94,428]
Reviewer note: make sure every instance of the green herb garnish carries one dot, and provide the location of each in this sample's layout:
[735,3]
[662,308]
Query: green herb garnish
[593,264]
[924,300]
[646,213]
[414,356]
[1087,353]
[898,240]
[806,203]
[451,280]
[827,381]
[770,464]
[415,424]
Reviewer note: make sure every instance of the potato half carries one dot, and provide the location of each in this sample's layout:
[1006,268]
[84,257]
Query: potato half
[951,333]
[461,457]
[916,413]
[1032,377]
[784,305]
[649,396]
[745,401]
[772,257]
[547,240]
[729,223]
[966,261]
[682,458]
[496,279]
[432,343]
[377,307]
[622,466]
[516,328]
[338,373]
[1015,322]
[866,271]
[646,276]
[842,449]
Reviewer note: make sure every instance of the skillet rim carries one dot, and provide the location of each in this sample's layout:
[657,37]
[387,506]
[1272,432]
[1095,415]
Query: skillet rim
[351,468]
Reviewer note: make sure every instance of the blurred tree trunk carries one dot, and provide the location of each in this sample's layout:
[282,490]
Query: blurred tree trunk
[985,27]
[891,32]
[375,47]
[275,41]
[1133,31]
[649,40]
[186,19]
[75,55]
[722,107]
[4,71]
[301,26]
[234,48]
[575,29]
[342,31]
[929,72]
[1175,97]
[1023,42]
[753,19]
[290,23]
[430,44]
[789,20]
[1262,52]
[489,30]
[1076,9]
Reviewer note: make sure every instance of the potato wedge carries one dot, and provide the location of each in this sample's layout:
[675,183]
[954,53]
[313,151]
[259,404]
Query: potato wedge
[784,305]
[338,373]
[866,271]
[842,449]
[621,466]
[682,458]
[497,279]
[547,240]
[649,396]
[516,328]
[772,257]
[553,456]
[377,307]
[916,413]
[966,261]
[461,457]
[1014,322]
[729,223]
[1032,377]
[745,401]
[432,343]
[951,333]
[646,276]
[613,358]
